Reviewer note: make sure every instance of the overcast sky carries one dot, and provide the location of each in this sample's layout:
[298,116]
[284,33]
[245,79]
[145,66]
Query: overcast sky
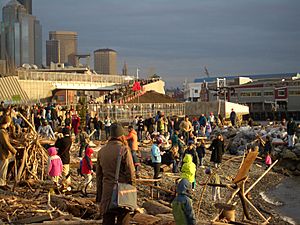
[177,38]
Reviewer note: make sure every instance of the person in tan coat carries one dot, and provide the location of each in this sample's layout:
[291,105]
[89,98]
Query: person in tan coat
[186,127]
[106,168]
[7,151]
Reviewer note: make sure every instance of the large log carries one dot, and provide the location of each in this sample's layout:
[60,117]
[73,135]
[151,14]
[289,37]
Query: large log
[145,219]
[154,208]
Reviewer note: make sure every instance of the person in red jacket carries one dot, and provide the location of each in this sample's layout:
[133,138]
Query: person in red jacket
[87,166]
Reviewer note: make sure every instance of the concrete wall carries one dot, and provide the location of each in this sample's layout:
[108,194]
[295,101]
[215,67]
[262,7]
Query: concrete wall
[37,89]
[238,108]
[158,86]
[197,108]
[224,108]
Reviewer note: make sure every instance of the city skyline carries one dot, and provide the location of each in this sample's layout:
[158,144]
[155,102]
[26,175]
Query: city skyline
[178,39]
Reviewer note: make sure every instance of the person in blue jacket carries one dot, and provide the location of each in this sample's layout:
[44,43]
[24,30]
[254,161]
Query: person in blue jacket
[182,205]
[156,157]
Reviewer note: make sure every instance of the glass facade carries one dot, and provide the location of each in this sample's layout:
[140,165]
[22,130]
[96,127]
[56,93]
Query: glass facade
[21,38]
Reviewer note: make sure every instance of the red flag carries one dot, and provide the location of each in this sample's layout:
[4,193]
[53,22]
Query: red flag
[136,86]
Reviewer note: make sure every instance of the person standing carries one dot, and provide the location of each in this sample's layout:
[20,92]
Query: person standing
[186,127]
[232,117]
[107,124]
[7,151]
[291,131]
[156,157]
[140,128]
[64,145]
[105,175]
[217,148]
[132,140]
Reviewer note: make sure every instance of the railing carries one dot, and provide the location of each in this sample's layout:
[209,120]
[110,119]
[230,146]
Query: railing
[127,112]
[59,76]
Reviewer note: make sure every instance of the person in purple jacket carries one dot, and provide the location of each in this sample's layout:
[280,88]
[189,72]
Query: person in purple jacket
[55,165]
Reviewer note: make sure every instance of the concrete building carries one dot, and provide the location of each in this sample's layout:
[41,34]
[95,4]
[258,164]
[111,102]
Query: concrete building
[52,52]
[273,96]
[21,36]
[105,61]
[27,4]
[61,47]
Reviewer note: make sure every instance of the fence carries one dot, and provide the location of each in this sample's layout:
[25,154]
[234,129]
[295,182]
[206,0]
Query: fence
[127,112]
[61,76]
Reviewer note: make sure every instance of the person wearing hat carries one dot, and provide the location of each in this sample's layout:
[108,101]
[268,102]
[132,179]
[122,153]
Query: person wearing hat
[45,130]
[7,151]
[64,145]
[105,175]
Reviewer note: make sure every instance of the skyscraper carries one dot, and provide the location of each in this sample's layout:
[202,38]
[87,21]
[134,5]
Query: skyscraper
[21,36]
[27,4]
[105,61]
[61,47]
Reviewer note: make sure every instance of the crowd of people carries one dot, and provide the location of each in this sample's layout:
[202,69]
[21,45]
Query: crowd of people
[180,142]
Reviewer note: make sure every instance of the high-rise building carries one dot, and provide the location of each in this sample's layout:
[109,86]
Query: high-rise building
[21,36]
[52,51]
[105,61]
[27,4]
[61,47]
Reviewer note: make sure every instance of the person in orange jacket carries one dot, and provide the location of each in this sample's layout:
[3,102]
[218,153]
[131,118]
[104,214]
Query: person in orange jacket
[132,140]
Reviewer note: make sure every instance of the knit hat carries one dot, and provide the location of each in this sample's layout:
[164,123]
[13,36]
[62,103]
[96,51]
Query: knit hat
[116,130]
[65,131]
[5,120]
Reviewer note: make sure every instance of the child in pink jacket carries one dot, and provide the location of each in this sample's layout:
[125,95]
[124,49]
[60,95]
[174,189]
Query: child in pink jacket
[55,165]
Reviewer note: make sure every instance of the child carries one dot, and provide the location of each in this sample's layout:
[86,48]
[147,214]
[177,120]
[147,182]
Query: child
[55,165]
[215,179]
[182,205]
[192,151]
[188,170]
[201,152]
[87,166]
[156,157]
[83,140]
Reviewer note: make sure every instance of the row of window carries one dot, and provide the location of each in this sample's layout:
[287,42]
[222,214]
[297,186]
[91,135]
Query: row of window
[269,93]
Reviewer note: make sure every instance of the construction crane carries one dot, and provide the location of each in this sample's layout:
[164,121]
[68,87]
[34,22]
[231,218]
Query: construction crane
[206,71]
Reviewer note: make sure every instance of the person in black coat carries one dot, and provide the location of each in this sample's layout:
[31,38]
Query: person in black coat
[233,117]
[291,131]
[217,148]
[64,145]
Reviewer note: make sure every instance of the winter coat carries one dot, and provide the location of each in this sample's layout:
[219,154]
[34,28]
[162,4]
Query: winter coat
[87,164]
[194,155]
[155,154]
[55,165]
[291,127]
[46,131]
[140,125]
[200,151]
[217,148]
[64,144]
[188,169]
[202,121]
[232,116]
[268,147]
[6,149]
[106,169]
[132,140]
[182,205]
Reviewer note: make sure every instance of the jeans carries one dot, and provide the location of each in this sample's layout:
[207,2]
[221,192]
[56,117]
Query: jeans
[291,140]
[135,159]
[156,167]
[122,216]
[175,166]
[82,147]
[140,135]
[107,132]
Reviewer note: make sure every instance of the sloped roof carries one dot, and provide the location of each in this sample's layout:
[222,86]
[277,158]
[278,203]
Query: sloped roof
[11,91]
[153,97]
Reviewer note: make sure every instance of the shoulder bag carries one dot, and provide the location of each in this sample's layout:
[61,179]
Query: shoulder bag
[124,195]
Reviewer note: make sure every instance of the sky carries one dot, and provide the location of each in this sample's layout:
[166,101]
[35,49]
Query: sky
[176,39]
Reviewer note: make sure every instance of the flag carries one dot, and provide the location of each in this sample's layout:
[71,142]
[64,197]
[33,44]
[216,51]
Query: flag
[136,86]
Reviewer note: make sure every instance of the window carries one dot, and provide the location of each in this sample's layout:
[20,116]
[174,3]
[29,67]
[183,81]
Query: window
[281,93]
[255,94]
[296,93]
[268,93]
[196,91]
[245,94]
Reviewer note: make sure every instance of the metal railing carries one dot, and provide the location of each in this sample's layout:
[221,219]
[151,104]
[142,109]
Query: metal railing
[127,112]
[60,76]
